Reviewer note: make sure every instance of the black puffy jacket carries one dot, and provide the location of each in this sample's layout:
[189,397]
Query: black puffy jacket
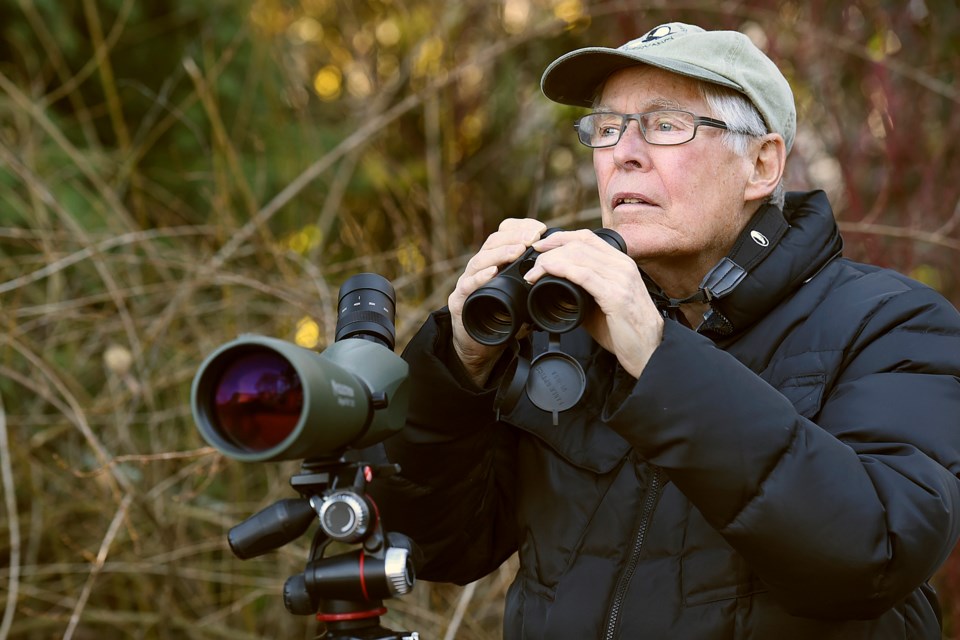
[789,471]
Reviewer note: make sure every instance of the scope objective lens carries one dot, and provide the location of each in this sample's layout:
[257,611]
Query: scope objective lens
[257,399]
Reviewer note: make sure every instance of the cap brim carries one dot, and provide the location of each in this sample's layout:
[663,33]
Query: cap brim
[574,78]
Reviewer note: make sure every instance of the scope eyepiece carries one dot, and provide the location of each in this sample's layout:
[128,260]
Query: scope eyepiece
[367,309]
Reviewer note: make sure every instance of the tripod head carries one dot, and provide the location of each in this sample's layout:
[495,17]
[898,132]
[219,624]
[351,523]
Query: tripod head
[345,591]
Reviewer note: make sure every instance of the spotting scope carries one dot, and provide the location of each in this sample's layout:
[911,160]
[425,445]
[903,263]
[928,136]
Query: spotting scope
[258,398]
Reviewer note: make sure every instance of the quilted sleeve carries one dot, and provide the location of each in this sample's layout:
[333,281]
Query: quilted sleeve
[841,515]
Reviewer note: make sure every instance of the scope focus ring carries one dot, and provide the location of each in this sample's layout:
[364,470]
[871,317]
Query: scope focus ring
[344,516]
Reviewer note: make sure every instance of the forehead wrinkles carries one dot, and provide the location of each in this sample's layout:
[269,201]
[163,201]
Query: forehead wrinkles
[646,88]
[652,104]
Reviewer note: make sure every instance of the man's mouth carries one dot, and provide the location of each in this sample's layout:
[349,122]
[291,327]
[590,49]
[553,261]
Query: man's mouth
[619,200]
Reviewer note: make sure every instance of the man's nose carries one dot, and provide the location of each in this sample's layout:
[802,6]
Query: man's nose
[632,146]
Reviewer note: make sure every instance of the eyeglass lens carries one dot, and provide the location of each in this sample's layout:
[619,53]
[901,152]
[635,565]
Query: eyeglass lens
[658,127]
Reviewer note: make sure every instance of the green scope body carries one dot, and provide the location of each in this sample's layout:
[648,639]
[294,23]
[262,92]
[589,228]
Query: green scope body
[259,399]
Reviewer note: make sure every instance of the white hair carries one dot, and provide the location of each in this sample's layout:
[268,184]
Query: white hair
[743,122]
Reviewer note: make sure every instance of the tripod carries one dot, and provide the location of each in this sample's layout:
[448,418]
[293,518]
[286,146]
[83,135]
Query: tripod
[345,591]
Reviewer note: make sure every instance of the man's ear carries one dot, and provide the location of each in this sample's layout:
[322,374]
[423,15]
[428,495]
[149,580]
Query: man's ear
[768,167]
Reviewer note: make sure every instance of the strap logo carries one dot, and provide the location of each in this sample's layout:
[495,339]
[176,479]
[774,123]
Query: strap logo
[759,238]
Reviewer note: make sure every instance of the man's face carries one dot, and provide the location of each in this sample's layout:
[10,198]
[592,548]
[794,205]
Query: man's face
[679,208]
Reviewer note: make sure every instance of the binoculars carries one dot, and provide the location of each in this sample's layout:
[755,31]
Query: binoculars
[494,313]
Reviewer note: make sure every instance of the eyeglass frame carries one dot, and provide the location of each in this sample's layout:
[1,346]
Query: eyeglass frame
[627,117]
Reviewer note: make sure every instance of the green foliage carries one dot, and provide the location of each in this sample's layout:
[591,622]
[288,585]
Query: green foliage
[174,173]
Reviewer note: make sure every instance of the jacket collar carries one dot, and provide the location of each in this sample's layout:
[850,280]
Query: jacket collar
[775,254]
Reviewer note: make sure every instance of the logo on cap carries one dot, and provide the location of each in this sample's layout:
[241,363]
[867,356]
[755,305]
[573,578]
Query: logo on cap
[656,33]
[661,35]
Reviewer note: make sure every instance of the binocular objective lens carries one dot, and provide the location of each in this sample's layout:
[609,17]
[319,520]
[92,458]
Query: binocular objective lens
[556,306]
[564,308]
[500,318]
[257,400]
[493,320]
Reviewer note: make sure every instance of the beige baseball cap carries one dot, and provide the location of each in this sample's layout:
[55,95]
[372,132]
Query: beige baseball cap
[727,58]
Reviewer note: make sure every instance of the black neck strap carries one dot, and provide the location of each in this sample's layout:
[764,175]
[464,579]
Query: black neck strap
[754,243]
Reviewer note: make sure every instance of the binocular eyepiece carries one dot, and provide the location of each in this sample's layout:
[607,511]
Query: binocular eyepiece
[494,313]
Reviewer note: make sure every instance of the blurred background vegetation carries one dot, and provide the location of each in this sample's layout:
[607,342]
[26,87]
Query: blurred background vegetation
[173,173]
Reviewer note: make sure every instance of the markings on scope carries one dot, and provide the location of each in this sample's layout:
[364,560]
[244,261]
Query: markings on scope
[344,394]
[369,304]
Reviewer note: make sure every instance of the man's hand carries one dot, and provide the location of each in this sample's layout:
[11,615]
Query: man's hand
[625,321]
[504,246]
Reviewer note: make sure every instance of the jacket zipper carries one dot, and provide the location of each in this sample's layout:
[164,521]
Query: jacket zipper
[649,503]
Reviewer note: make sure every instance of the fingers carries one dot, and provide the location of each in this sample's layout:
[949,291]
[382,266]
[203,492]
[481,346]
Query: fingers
[586,259]
[526,229]
[626,321]
[501,248]
[506,244]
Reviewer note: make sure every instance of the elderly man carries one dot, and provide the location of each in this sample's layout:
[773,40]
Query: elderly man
[768,442]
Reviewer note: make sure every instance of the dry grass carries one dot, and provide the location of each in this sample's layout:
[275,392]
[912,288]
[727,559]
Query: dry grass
[116,512]
[114,287]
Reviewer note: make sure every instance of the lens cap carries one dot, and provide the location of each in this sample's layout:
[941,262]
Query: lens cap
[556,382]
[511,388]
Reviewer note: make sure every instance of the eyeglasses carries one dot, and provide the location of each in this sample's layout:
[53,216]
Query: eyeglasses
[664,127]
